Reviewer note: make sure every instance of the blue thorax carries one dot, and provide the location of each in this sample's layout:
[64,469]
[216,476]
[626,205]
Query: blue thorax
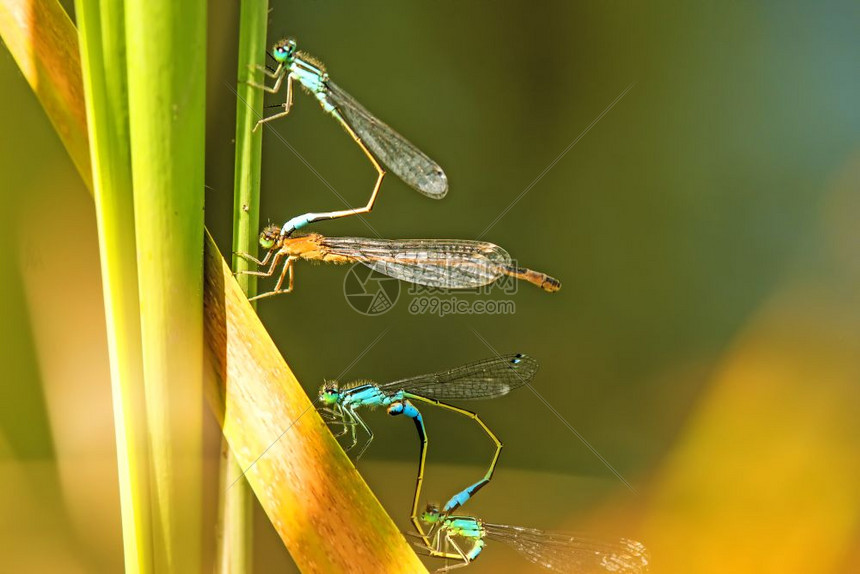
[368,395]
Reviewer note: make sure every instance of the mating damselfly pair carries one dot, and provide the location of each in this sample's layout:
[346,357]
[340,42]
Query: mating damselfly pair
[449,264]
[437,528]
[439,263]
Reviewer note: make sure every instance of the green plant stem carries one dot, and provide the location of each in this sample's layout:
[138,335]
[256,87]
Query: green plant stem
[166,43]
[236,512]
[324,512]
[102,35]
[249,108]
[235,528]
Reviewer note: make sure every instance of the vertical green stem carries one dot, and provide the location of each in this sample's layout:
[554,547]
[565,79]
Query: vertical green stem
[235,528]
[166,43]
[102,39]
[249,109]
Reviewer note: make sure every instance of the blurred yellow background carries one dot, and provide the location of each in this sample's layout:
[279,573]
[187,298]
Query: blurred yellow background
[704,227]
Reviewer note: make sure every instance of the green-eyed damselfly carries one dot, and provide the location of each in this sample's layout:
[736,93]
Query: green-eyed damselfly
[485,379]
[557,551]
[440,263]
[382,145]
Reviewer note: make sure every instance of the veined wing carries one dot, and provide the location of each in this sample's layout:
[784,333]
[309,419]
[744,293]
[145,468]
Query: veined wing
[569,554]
[404,159]
[443,263]
[484,379]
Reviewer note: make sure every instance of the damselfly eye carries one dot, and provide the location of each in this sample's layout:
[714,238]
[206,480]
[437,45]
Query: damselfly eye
[329,395]
[430,514]
[269,236]
[284,50]
[266,242]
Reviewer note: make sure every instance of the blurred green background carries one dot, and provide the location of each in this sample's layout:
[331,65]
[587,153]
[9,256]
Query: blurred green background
[705,341]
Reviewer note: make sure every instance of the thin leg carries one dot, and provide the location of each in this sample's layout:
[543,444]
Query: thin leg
[268,272]
[433,533]
[288,103]
[327,411]
[288,268]
[254,260]
[461,497]
[437,539]
[353,417]
[334,421]
[332,416]
[303,220]
[341,433]
[462,555]
[439,549]
[270,118]
[441,554]
[347,421]
[278,75]
[369,437]
[265,69]
[289,93]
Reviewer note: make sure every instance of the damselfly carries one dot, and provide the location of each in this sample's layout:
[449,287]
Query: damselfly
[486,379]
[381,144]
[442,263]
[556,551]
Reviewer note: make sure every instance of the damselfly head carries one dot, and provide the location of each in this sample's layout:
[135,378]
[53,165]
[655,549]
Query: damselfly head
[431,514]
[329,393]
[284,50]
[269,236]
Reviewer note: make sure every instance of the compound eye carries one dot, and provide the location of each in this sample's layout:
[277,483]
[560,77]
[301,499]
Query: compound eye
[283,51]
[266,242]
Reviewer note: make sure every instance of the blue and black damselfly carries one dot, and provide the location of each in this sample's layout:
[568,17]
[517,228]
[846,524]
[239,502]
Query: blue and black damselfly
[486,379]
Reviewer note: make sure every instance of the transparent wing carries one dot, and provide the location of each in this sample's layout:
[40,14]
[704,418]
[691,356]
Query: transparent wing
[443,263]
[571,554]
[404,159]
[485,379]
